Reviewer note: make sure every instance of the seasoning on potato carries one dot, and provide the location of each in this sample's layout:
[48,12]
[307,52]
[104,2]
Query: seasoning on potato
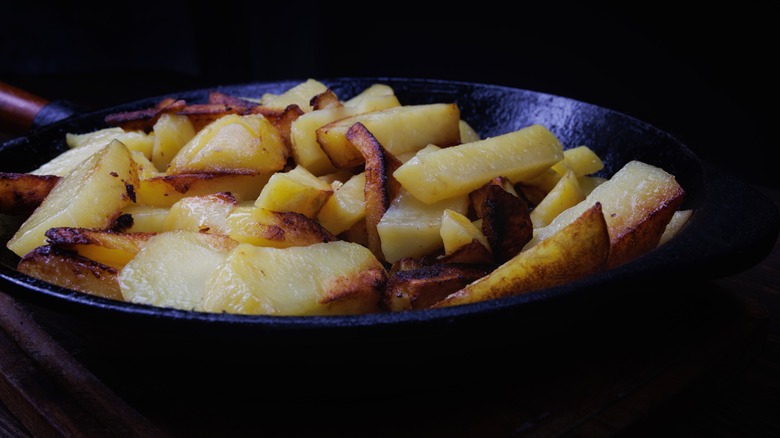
[309,203]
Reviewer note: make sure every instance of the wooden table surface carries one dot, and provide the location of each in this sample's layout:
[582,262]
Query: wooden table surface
[708,365]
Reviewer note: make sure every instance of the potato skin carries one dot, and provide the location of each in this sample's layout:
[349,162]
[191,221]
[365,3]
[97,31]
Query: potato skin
[21,193]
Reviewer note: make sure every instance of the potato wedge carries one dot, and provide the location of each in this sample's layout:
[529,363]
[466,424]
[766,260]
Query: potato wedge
[346,206]
[565,194]
[277,229]
[638,201]
[21,193]
[332,278]
[380,188]
[105,247]
[296,190]
[422,287]
[171,133]
[300,95]
[172,267]
[204,213]
[90,196]
[164,191]
[402,129]
[505,218]
[458,170]
[574,252]
[69,270]
[233,144]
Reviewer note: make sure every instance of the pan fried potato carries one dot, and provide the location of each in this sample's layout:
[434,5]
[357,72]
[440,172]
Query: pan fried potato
[233,144]
[577,250]
[69,270]
[520,155]
[172,267]
[296,190]
[103,246]
[90,196]
[22,193]
[302,203]
[277,229]
[166,190]
[638,202]
[205,213]
[402,129]
[327,278]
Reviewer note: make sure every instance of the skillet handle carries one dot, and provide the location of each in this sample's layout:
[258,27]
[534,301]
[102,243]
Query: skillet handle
[18,109]
[22,111]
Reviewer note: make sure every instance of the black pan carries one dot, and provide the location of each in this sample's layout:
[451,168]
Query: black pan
[733,228]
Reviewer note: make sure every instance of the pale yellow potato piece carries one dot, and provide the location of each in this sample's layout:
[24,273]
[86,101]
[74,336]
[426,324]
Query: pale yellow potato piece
[278,229]
[565,194]
[83,146]
[321,279]
[401,129]
[146,218]
[346,206]
[577,250]
[457,230]
[467,132]
[172,268]
[165,190]
[204,213]
[582,160]
[146,169]
[306,150]
[678,221]
[457,170]
[638,202]
[410,228]
[92,195]
[297,190]
[300,94]
[171,133]
[233,144]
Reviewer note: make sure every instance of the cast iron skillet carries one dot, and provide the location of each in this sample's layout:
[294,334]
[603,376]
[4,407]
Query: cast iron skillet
[733,228]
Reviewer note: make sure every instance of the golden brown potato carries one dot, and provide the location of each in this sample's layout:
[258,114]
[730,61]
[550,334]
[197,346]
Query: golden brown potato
[422,287]
[381,187]
[578,250]
[144,120]
[105,247]
[166,190]
[21,193]
[70,270]
[278,229]
[506,221]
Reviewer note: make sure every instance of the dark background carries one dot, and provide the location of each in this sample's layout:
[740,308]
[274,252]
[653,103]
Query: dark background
[705,75]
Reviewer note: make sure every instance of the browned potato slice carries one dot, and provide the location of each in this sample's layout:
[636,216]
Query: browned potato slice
[70,270]
[143,120]
[422,287]
[278,229]
[578,250]
[400,129]
[164,191]
[506,220]
[21,193]
[472,253]
[105,247]
[381,187]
